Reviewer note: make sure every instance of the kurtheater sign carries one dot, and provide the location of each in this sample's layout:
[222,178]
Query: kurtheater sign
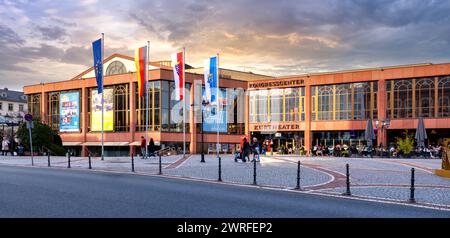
[277,83]
[284,127]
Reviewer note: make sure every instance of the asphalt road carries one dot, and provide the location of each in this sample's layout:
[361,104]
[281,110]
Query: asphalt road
[55,193]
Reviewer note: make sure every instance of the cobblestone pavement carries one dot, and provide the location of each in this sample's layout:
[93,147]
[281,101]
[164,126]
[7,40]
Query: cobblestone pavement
[375,178]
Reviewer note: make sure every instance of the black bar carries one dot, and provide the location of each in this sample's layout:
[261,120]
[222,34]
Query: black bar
[90,166]
[220,170]
[411,194]
[48,160]
[254,172]
[298,176]
[132,163]
[68,160]
[160,168]
[347,192]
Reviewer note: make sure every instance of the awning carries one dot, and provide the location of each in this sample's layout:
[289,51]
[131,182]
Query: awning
[71,143]
[138,143]
[135,143]
[95,143]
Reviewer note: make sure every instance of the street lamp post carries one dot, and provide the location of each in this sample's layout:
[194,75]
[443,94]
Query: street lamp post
[204,103]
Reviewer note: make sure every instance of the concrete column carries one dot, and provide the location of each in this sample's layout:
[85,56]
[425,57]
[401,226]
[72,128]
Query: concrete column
[308,133]
[44,108]
[132,100]
[247,113]
[84,119]
[382,107]
[192,124]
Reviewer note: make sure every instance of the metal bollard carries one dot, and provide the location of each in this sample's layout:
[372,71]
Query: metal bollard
[254,172]
[68,160]
[298,176]
[348,193]
[132,163]
[220,170]
[411,195]
[160,168]
[89,156]
[48,160]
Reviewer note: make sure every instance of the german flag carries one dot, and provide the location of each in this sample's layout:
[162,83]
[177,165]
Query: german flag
[140,59]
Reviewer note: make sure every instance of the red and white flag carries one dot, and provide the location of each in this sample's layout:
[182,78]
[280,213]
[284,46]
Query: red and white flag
[178,76]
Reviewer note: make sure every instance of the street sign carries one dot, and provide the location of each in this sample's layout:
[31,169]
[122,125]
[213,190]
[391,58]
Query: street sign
[30,124]
[28,117]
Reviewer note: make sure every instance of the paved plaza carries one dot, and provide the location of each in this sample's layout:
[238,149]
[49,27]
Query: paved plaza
[371,178]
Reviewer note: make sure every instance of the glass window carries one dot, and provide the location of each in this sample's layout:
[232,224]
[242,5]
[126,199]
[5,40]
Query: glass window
[425,97]
[34,105]
[353,101]
[164,105]
[10,107]
[20,108]
[444,96]
[291,110]
[53,110]
[121,108]
[276,105]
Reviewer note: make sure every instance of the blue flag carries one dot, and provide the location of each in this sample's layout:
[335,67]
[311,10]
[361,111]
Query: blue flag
[211,84]
[98,63]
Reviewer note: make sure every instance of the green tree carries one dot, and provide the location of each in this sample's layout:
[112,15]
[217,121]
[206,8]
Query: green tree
[42,135]
[406,144]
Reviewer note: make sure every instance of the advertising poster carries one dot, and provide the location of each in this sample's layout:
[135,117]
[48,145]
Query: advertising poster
[69,117]
[96,110]
[210,114]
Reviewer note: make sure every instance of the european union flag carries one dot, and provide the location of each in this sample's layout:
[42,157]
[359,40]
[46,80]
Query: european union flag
[98,63]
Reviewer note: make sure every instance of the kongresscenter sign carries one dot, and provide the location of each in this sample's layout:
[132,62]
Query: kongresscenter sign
[96,110]
[69,119]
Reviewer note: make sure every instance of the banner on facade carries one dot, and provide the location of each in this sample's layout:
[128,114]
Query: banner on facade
[96,110]
[210,114]
[69,116]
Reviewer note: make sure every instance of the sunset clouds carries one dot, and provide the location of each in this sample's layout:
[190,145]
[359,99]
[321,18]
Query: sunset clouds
[43,41]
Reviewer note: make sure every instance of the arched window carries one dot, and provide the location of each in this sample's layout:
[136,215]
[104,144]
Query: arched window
[343,102]
[325,104]
[403,99]
[121,108]
[115,67]
[425,97]
[444,96]
[53,110]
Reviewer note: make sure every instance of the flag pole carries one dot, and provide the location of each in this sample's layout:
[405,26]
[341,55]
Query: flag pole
[146,93]
[103,148]
[184,104]
[218,106]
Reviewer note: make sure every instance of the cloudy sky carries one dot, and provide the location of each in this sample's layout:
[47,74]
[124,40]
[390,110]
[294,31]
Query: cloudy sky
[45,41]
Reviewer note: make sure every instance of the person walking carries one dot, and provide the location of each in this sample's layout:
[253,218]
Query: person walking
[246,150]
[5,146]
[143,145]
[151,148]
[255,148]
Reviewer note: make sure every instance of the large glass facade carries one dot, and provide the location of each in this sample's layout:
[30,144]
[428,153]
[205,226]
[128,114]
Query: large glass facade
[121,107]
[277,105]
[165,112]
[420,97]
[352,101]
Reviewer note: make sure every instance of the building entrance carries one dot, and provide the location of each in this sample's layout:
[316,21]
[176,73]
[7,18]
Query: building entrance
[281,143]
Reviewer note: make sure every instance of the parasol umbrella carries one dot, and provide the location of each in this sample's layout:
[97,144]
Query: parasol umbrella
[421,133]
